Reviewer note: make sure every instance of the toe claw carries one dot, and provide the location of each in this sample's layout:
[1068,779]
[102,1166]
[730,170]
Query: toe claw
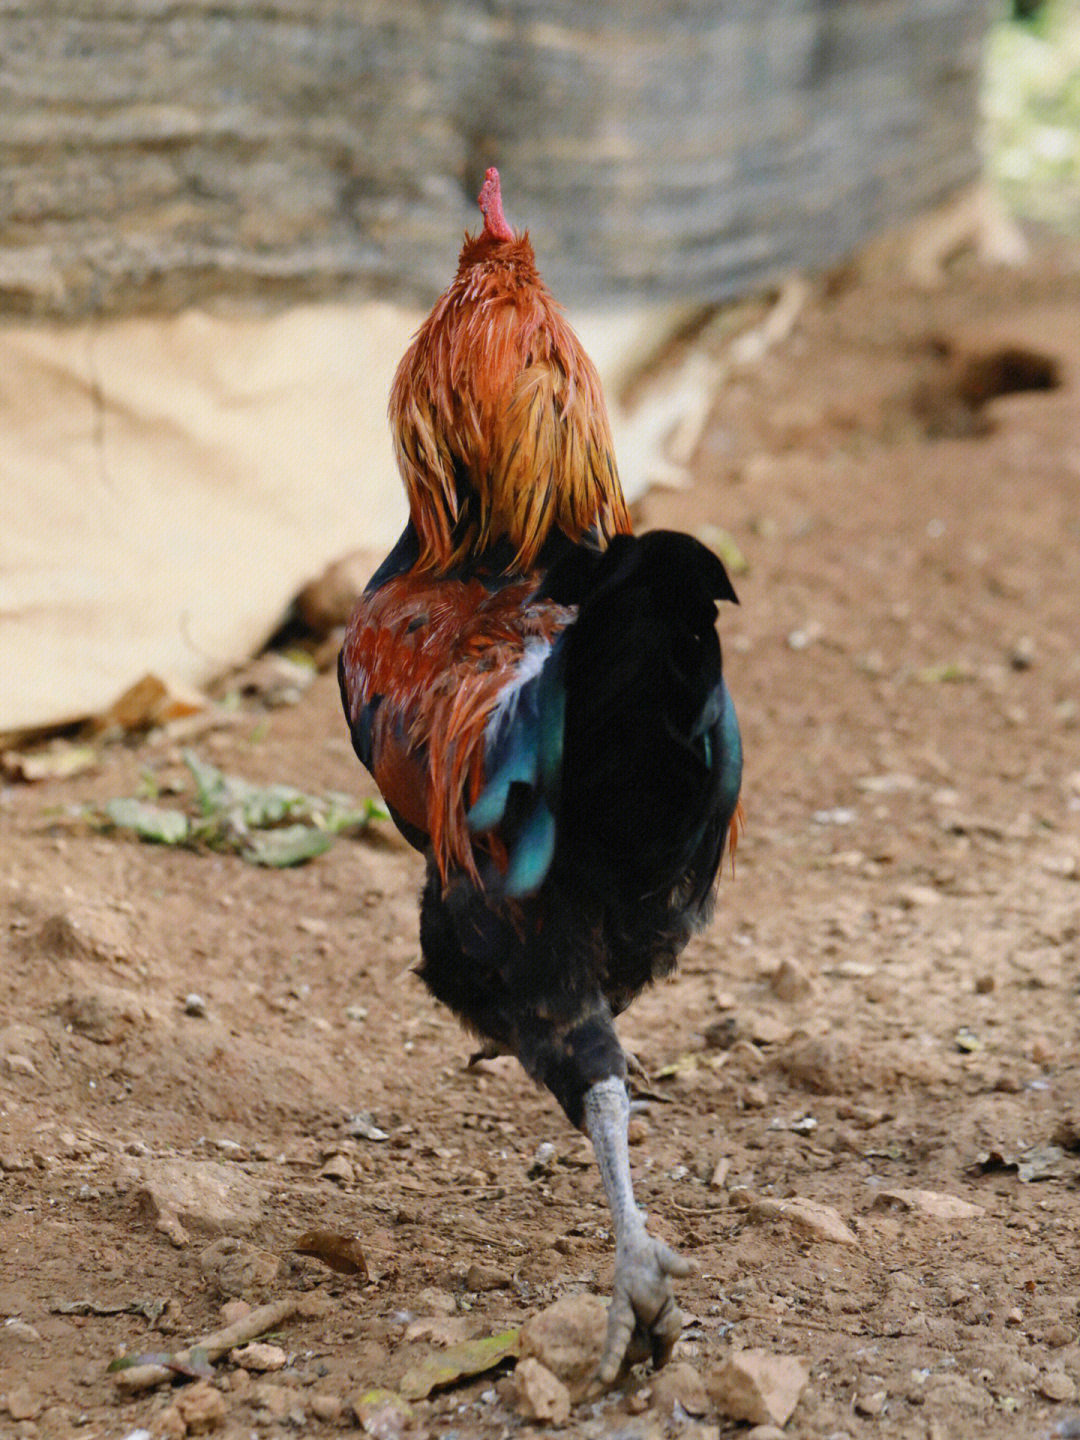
[643,1319]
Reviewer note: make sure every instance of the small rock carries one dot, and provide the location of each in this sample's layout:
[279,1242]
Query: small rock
[541,1395]
[21,1065]
[201,1407]
[339,1169]
[326,1407]
[22,1403]
[747,1055]
[234,1310]
[772,1432]
[802,638]
[277,1400]
[437,1302]
[382,1414]
[544,1158]
[809,1217]
[194,1004]
[1057,1335]
[928,1202]
[361,1126]
[202,1194]
[721,1034]
[85,932]
[637,1131]
[1042,1051]
[235,1267]
[259,1357]
[871,1403]
[568,1338]
[918,897]
[170,1424]
[679,1384]
[20,1331]
[958,1392]
[1022,655]
[790,982]
[865,1116]
[757,1386]
[486,1277]
[107,1014]
[1055,1385]
[766,1029]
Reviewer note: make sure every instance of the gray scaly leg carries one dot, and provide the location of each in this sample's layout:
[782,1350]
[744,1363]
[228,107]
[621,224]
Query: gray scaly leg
[642,1300]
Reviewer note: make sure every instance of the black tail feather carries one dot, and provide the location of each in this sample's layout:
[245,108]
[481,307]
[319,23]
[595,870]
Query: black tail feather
[651,760]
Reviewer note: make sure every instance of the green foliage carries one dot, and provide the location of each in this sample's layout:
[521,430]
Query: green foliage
[1031,101]
[273,825]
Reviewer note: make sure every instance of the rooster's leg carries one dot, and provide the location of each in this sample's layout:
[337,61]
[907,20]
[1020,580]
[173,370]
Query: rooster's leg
[642,1304]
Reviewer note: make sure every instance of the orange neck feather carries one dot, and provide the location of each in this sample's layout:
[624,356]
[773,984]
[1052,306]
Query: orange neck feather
[498,417]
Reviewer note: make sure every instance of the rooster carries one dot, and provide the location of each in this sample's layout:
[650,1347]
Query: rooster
[538,695]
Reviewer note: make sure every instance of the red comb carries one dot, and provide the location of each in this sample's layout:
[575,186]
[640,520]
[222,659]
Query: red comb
[490,202]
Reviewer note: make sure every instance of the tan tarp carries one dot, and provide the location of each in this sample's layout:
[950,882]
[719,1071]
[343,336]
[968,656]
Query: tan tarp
[167,485]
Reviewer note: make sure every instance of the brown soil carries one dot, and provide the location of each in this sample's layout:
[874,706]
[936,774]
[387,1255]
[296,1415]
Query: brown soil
[886,999]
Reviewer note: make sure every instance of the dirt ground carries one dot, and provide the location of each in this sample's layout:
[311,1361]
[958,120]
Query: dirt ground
[886,1000]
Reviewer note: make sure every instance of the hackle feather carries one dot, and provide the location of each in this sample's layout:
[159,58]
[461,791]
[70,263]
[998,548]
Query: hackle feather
[499,420]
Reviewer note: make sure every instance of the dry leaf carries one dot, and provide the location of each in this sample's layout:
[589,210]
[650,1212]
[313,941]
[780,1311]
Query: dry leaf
[342,1253]
[460,1362]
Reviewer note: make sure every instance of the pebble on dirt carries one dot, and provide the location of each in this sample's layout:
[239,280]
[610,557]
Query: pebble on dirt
[679,1384]
[436,1302]
[22,1403]
[382,1413]
[757,1386]
[259,1357]
[790,982]
[568,1338]
[871,1403]
[198,1410]
[1056,1385]
[279,1401]
[200,1195]
[810,1218]
[235,1267]
[931,1203]
[326,1407]
[486,1277]
[541,1395]
[339,1169]
[108,1013]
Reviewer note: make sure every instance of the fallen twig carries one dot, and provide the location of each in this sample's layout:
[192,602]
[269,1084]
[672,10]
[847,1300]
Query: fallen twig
[212,1346]
[701,1209]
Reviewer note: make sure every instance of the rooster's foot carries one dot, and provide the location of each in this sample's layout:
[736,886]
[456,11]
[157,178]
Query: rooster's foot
[643,1321]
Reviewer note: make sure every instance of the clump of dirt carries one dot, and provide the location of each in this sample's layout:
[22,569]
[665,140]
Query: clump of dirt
[204,1063]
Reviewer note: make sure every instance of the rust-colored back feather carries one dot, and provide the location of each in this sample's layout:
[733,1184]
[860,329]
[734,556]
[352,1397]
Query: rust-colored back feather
[436,655]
